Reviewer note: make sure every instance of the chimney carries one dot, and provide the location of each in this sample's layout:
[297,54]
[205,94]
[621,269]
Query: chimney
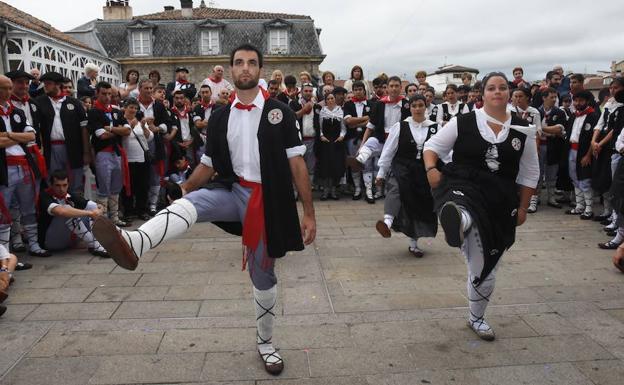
[202,4]
[117,10]
[187,8]
[169,8]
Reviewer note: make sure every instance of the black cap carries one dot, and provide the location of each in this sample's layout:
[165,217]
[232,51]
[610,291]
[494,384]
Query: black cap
[181,69]
[339,90]
[19,74]
[52,77]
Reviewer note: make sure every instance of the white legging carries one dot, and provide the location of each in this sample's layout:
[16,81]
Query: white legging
[478,296]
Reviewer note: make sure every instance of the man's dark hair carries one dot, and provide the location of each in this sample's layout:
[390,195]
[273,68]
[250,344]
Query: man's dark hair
[290,80]
[102,84]
[59,174]
[394,79]
[416,98]
[578,77]
[524,90]
[451,87]
[379,81]
[273,82]
[549,75]
[130,102]
[409,85]
[618,81]
[358,84]
[247,47]
[205,86]
[603,93]
[549,91]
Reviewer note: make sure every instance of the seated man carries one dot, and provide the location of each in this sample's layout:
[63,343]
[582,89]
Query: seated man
[7,267]
[64,218]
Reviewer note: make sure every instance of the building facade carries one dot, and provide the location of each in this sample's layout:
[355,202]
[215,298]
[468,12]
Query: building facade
[449,74]
[200,38]
[27,43]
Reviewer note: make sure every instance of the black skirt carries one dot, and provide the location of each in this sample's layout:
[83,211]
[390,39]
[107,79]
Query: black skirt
[330,156]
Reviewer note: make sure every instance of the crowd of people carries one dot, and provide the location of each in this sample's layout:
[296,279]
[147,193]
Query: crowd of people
[374,140]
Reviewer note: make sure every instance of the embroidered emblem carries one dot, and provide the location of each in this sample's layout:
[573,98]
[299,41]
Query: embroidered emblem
[494,252]
[115,116]
[34,108]
[457,192]
[367,108]
[587,127]
[516,144]
[70,107]
[406,105]
[17,118]
[555,118]
[433,130]
[275,116]
[514,212]
[491,158]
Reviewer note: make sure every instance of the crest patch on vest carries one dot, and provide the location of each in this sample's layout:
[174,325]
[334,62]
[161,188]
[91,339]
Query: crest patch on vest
[433,130]
[367,108]
[34,108]
[406,105]
[587,127]
[516,144]
[115,116]
[17,118]
[514,212]
[275,116]
[70,107]
[457,192]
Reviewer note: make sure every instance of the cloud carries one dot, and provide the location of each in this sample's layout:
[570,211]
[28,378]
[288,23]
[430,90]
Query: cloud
[400,36]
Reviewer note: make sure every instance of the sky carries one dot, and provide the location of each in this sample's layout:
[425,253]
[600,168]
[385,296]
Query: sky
[399,37]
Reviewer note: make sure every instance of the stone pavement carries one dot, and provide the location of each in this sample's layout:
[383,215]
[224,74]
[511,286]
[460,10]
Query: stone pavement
[354,309]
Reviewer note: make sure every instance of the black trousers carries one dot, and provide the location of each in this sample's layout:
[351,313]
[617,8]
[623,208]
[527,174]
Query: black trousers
[136,203]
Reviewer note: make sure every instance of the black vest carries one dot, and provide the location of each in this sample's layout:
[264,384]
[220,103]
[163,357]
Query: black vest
[99,119]
[446,115]
[280,210]
[615,123]
[502,159]
[18,124]
[73,119]
[434,113]
[408,148]
[378,114]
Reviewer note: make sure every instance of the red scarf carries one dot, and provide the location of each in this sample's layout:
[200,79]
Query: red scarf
[248,107]
[386,99]
[586,111]
[181,114]
[51,192]
[23,100]
[99,106]
[8,111]
[58,97]
[207,105]
[358,100]
[182,81]
[518,81]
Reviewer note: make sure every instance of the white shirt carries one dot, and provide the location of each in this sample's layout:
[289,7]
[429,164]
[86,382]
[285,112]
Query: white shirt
[148,112]
[185,129]
[57,126]
[610,106]
[577,126]
[442,143]
[392,114]
[419,133]
[242,137]
[453,109]
[16,149]
[307,122]
[217,87]
[132,94]
[134,151]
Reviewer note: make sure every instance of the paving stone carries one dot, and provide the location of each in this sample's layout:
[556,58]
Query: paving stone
[545,374]
[24,281]
[230,308]
[69,311]
[53,371]
[247,365]
[208,340]
[17,338]
[153,368]
[305,298]
[174,279]
[608,372]
[231,291]
[549,324]
[101,280]
[387,302]
[128,294]
[157,309]
[100,343]
[17,312]
[359,361]
[21,296]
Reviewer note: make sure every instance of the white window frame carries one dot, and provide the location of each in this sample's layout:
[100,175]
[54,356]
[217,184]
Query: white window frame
[145,42]
[278,41]
[209,43]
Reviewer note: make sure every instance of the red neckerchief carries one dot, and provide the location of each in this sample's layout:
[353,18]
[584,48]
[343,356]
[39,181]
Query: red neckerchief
[518,81]
[182,81]
[386,99]
[358,100]
[8,111]
[51,192]
[249,107]
[23,100]
[208,105]
[105,109]
[586,111]
[181,114]
[58,97]
[479,104]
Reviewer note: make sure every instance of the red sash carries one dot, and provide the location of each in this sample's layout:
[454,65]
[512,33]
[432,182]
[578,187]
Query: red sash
[253,225]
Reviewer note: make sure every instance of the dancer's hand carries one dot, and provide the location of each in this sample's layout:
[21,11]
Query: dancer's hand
[324,139]
[340,139]
[522,215]
[586,160]
[434,176]
[95,213]
[308,229]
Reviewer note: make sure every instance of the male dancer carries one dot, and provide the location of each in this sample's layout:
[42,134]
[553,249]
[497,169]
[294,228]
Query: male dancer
[356,118]
[254,148]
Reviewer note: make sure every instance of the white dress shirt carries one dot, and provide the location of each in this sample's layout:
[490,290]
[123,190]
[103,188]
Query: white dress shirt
[577,126]
[242,137]
[528,175]
[307,122]
[148,112]
[57,126]
[392,114]
[419,133]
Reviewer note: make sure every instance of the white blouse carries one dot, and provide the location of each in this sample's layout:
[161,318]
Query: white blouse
[442,144]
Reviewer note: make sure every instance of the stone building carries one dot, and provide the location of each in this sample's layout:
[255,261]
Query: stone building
[27,43]
[200,38]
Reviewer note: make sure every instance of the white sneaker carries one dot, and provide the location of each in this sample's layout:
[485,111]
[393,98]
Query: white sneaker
[533,204]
